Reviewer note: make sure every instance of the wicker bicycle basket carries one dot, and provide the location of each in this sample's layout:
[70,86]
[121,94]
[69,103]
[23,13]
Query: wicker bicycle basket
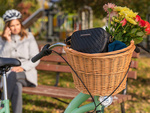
[100,72]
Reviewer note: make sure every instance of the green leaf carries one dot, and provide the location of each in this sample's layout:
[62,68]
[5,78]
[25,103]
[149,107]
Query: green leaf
[137,40]
[141,33]
[107,29]
[134,30]
[119,36]
[125,39]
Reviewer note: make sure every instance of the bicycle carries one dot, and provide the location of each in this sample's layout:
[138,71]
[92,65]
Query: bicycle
[5,65]
[98,104]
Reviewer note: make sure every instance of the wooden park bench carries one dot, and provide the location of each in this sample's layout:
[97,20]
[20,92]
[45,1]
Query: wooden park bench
[55,63]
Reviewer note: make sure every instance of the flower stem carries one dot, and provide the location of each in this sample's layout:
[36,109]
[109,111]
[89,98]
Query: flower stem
[126,27]
[109,22]
[116,29]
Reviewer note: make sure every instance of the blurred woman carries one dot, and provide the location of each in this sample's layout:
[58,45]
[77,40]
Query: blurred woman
[17,43]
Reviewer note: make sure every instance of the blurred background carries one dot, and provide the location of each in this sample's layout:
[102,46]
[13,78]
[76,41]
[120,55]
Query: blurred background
[54,20]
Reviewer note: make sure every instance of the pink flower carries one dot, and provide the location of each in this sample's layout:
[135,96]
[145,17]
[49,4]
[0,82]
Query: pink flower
[124,21]
[138,18]
[112,14]
[142,23]
[109,6]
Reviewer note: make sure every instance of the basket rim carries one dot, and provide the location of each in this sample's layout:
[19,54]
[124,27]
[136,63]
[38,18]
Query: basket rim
[101,54]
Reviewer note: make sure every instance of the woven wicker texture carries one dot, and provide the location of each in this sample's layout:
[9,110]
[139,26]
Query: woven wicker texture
[100,72]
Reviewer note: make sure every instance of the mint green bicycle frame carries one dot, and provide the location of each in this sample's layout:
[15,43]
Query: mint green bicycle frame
[73,107]
[5,102]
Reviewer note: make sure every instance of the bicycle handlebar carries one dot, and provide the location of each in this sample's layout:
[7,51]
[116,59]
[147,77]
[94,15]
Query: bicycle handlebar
[46,50]
[141,46]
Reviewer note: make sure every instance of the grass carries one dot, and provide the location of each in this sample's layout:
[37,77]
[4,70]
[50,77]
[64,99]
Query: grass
[139,89]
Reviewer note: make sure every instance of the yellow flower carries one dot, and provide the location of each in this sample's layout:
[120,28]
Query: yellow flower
[127,13]
[130,20]
[115,19]
[131,14]
[124,11]
[118,8]
[112,22]
[122,14]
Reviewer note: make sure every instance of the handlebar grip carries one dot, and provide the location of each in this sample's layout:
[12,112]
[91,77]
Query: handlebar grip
[44,52]
[137,50]
[37,57]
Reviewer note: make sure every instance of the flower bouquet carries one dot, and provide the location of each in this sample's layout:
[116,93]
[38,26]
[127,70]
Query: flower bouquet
[125,25]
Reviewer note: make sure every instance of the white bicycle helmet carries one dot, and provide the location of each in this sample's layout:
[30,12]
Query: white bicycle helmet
[11,15]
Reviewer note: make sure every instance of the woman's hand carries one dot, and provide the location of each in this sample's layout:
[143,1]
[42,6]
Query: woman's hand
[7,34]
[17,69]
